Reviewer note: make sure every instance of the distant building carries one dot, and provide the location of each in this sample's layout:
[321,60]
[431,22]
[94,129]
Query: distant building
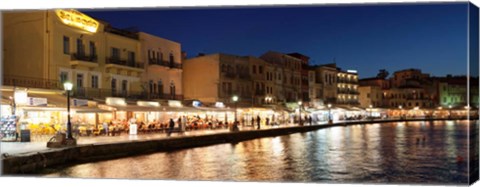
[347,88]
[453,91]
[290,73]
[217,78]
[370,95]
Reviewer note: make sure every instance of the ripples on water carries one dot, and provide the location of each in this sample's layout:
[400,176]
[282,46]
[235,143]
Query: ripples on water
[405,152]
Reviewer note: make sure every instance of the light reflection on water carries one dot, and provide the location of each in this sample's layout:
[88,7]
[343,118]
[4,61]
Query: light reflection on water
[404,152]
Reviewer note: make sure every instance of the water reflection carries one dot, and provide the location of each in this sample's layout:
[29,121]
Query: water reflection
[413,152]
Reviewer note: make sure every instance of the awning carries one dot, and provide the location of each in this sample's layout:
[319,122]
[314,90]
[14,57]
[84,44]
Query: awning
[136,108]
[215,109]
[53,99]
[74,109]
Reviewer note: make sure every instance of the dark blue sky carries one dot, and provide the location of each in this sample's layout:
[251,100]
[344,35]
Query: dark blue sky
[431,37]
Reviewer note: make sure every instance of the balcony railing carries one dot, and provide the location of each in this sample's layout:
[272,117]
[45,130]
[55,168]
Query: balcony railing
[347,91]
[83,57]
[123,62]
[29,82]
[164,63]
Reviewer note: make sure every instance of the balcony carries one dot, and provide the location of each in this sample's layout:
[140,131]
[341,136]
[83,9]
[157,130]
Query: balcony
[164,96]
[80,59]
[116,63]
[260,92]
[347,91]
[29,82]
[164,63]
[230,75]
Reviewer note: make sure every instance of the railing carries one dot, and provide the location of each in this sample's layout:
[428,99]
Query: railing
[164,63]
[31,82]
[244,76]
[123,62]
[347,91]
[83,57]
[259,92]
[229,75]
[163,96]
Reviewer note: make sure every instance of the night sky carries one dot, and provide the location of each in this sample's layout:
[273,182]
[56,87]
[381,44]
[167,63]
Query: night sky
[430,37]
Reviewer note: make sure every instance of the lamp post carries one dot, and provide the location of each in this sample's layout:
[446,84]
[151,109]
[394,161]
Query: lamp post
[329,113]
[450,111]
[68,87]
[300,112]
[401,111]
[371,108]
[235,99]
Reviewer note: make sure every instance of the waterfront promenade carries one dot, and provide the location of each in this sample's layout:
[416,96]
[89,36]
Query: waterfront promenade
[14,148]
[18,158]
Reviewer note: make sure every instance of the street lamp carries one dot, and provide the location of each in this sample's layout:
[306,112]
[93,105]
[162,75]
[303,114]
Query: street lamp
[235,99]
[329,113]
[68,87]
[371,108]
[401,111]
[268,99]
[450,111]
[300,112]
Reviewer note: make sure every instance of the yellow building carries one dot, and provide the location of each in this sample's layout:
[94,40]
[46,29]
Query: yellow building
[163,72]
[61,45]
[216,78]
[370,95]
[289,89]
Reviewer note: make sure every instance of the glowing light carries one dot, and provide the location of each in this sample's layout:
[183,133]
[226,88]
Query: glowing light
[76,19]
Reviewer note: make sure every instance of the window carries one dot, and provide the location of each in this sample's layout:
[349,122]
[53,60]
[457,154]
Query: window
[131,57]
[115,53]
[150,83]
[66,45]
[224,87]
[260,69]
[171,59]
[254,69]
[368,95]
[149,54]
[124,86]
[114,86]
[160,87]
[94,81]
[80,50]
[63,77]
[172,90]
[79,80]
[93,49]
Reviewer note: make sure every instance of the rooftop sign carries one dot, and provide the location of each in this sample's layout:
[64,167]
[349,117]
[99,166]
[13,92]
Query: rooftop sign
[77,19]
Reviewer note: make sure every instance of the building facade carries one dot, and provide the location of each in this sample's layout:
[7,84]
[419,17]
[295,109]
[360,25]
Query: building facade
[66,45]
[217,78]
[289,90]
[347,88]
[163,70]
[370,95]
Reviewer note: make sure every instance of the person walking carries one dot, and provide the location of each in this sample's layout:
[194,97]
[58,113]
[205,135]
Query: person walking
[253,123]
[180,123]
[170,128]
[105,128]
[267,121]
[258,122]
[310,120]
